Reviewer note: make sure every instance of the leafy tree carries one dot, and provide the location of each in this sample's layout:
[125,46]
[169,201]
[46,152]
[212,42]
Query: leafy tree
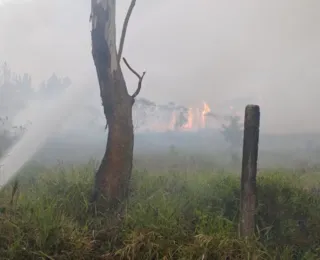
[233,132]
[53,87]
[182,118]
[180,112]
[142,110]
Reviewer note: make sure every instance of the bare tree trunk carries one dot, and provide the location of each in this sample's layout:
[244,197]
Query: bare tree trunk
[113,176]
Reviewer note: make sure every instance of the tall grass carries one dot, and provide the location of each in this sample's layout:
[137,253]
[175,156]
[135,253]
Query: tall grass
[172,215]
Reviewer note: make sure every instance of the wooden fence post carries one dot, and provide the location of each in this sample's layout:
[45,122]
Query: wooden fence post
[249,171]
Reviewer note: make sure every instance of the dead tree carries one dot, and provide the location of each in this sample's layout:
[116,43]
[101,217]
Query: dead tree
[113,175]
[249,171]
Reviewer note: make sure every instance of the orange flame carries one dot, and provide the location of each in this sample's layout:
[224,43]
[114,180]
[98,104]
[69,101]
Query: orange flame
[196,119]
[205,111]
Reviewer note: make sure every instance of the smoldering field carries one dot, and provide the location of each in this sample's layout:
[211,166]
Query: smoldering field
[185,189]
[184,200]
[188,150]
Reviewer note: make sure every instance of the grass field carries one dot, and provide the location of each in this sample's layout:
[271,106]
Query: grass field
[173,214]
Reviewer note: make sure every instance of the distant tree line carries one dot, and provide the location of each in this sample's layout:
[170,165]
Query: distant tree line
[145,110]
[15,92]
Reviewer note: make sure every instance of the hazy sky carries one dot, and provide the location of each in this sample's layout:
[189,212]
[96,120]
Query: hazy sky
[212,50]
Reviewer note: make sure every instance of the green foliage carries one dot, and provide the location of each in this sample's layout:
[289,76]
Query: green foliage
[232,132]
[173,215]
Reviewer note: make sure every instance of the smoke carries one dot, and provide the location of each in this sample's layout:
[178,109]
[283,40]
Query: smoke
[192,50]
[45,122]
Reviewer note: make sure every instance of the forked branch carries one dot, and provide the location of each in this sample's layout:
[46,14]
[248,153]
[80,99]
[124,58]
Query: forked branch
[122,38]
[140,77]
[124,29]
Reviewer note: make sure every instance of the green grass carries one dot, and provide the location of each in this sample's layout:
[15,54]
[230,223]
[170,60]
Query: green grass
[170,215]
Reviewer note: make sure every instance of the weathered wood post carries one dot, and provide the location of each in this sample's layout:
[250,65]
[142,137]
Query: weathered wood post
[249,171]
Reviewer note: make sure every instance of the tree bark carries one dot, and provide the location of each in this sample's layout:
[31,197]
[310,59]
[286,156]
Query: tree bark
[248,196]
[113,176]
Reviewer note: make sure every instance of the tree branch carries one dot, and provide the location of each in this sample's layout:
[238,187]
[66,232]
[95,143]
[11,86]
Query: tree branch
[140,77]
[124,29]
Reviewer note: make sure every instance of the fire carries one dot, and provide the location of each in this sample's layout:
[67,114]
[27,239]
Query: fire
[205,111]
[196,119]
